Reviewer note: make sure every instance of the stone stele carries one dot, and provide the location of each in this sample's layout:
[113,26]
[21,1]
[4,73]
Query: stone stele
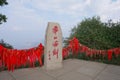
[53,47]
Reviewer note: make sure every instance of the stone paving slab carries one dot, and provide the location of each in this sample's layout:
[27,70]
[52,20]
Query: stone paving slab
[39,75]
[69,65]
[108,76]
[91,69]
[22,72]
[74,76]
[113,69]
[4,75]
[72,69]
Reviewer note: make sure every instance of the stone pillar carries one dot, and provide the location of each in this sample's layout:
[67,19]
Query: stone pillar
[53,47]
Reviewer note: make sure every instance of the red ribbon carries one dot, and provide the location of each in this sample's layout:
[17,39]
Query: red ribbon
[13,58]
[74,45]
[109,54]
[65,52]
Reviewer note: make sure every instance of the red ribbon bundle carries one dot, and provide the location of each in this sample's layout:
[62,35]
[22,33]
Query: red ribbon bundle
[116,51]
[65,52]
[76,47]
[109,54]
[1,54]
[13,58]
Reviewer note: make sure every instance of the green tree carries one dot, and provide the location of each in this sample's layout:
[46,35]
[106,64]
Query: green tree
[114,33]
[3,18]
[6,45]
[96,34]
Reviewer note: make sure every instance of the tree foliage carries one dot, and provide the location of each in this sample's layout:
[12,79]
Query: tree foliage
[3,18]
[96,34]
[6,45]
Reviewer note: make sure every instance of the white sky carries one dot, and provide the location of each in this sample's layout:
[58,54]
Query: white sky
[27,19]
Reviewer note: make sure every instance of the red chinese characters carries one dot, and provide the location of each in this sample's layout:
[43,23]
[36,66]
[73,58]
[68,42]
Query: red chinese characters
[56,42]
[55,37]
[55,52]
[49,57]
[55,29]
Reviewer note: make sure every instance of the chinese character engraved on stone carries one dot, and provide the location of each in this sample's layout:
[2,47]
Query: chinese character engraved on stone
[55,37]
[55,29]
[49,56]
[55,44]
[55,52]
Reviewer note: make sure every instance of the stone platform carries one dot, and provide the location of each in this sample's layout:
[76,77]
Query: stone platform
[73,69]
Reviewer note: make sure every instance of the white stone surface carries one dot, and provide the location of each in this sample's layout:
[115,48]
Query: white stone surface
[53,47]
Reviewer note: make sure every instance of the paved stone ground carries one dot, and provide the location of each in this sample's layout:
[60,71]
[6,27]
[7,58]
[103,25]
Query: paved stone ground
[73,69]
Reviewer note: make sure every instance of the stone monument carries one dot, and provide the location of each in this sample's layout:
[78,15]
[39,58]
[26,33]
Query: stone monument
[53,47]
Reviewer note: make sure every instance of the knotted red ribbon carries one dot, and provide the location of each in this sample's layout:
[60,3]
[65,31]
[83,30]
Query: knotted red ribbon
[109,54]
[13,58]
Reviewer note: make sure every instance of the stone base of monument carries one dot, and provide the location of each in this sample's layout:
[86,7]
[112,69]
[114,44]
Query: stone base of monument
[53,66]
[53,47]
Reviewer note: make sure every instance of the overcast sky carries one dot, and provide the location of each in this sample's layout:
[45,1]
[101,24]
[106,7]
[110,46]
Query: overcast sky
[27,19]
